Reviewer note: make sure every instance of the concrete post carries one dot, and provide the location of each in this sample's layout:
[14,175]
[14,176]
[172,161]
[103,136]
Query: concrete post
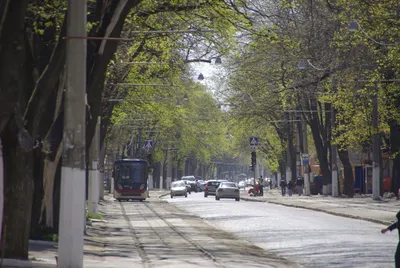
[335,182]
[375,149]
[307,184]
[72,199]
[101,169]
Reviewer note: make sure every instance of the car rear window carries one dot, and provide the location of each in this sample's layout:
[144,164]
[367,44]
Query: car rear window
[188,178]
[228,184]
[178,183]
[213,183]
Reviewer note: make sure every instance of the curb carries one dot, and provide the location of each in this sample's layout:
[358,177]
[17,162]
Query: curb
[43,242]
[25,263]
[162,195]
[322,210]
[252,200]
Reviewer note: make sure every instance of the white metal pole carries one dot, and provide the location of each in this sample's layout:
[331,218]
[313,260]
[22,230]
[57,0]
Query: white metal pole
[72,200]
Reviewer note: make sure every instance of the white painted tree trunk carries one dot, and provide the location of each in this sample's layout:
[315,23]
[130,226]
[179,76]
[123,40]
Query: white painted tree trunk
[49,174]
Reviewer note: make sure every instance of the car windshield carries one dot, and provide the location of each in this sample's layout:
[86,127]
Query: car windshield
[228,184]
[178,184]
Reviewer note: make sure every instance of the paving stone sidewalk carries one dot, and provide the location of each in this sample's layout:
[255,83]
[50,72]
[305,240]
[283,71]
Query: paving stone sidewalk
[360,207]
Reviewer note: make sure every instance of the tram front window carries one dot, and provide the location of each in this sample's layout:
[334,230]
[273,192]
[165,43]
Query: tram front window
[128,173]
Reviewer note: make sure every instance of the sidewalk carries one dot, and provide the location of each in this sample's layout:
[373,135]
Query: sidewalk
[360,207]
[42,254]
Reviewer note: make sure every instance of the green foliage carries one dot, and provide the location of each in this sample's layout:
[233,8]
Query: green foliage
[96,216]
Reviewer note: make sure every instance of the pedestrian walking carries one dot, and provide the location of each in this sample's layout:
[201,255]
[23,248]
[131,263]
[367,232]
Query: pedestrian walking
[261,182]
[300,184]
[283,187]
[391,228]
[290,187]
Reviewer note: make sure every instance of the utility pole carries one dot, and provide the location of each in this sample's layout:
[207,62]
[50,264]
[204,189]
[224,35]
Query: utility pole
[335,181]
[375,148]
[298,160]
[306,159]
[94,176]
[72,200]
[288,153]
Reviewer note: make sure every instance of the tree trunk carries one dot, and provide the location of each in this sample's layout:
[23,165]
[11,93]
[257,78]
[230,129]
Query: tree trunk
[49,174]
[348,187]
[36,229]
[321,151]
[100,54]
[18,196]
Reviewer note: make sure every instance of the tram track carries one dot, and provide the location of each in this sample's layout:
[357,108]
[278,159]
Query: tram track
[141,250]
[142,253]
[201,249]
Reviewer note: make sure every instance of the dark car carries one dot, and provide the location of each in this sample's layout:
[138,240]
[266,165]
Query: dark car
[191,180]
[211,187]
[201,185]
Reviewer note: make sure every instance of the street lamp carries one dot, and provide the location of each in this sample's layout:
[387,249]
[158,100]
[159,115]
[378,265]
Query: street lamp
[302,64]
[353,26]
[200,77]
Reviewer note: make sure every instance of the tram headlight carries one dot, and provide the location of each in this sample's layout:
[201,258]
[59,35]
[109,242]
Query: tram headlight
[142,187]
[120,186]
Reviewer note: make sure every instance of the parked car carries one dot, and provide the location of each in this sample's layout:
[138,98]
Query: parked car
[192,181]
[227,190]
[178,188]
[211,187]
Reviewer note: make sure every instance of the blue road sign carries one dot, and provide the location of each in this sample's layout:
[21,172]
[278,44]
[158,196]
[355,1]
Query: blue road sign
[148,144]
[253,141]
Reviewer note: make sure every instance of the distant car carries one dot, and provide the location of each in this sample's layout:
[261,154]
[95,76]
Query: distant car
[178,188]
[211,187]
[242,184]
[227,190]
[201,185]
[192,181]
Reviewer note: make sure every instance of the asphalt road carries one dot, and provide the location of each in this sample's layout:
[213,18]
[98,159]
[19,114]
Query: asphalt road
[309,238]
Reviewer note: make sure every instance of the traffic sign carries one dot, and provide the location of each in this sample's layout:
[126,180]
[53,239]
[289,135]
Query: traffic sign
[253,141]
[148,145]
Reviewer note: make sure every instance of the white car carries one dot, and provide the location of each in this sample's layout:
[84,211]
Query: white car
[178,188]
[227,190]
[242,184]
